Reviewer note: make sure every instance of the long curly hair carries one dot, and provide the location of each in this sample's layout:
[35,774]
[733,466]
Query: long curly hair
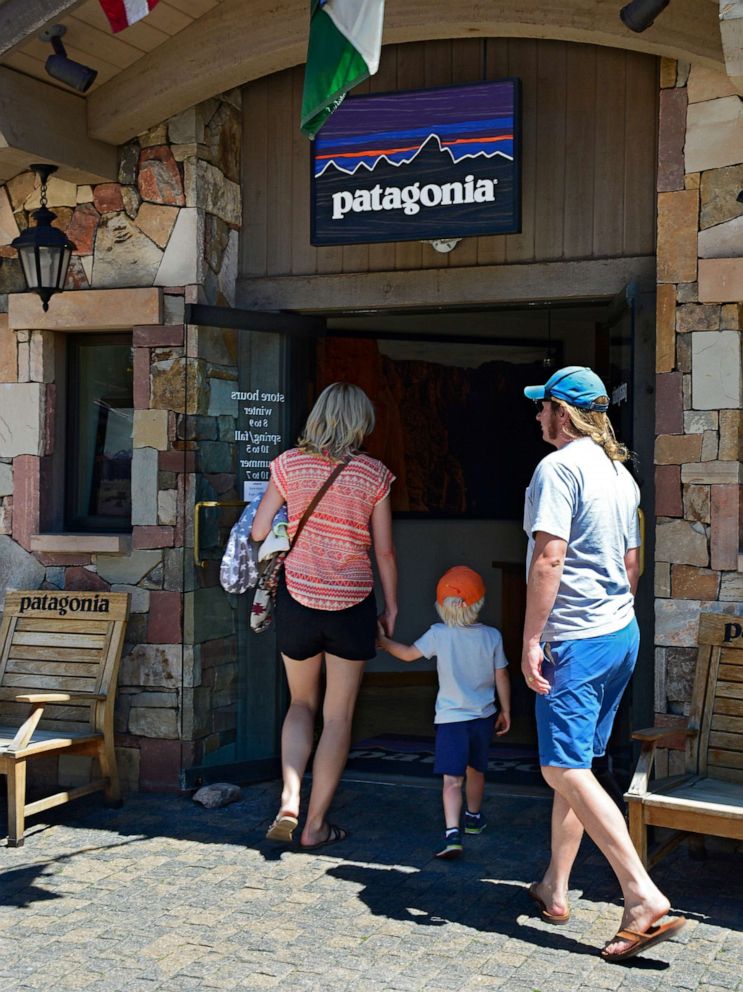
[597,426]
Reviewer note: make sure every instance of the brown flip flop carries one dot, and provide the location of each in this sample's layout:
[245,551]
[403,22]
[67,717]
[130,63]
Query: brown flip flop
[642,940]
[282,829]
[547,917]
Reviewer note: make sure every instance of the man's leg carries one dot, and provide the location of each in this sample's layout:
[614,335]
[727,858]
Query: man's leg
[567,833]
[644,903]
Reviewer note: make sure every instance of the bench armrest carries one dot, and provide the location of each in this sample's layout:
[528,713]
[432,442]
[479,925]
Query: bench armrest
[661,733]
[59,697]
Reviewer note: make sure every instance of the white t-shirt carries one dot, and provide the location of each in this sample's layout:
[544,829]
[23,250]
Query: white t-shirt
[580,495]
[466,660]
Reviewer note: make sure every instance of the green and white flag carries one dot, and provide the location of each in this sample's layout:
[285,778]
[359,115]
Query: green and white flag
[343,50]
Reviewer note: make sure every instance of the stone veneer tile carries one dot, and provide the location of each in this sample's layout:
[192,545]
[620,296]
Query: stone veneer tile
[158,336]
[712,473]
[707,84]
[699,421]
[697,317]
[156,221]
[721,280]
[668,491]
[127,569]
[731,317]
[710,441]
[669,404]
[677,229]
[731,435]
[8,225]
[681,542]
[164,623]
[144,537]
[182,262]
[671,134]
[22,420]
[714,134]
[688,582]
[725,526]
[723,240]
[662,579]
[150,431]
[8,352]
[719,192]
[716,370]
[26,498]
[697,503]
[141,378]
[144,487]
[677,449]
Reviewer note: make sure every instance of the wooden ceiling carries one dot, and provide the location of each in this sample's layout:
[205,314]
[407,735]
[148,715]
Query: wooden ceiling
[89,39]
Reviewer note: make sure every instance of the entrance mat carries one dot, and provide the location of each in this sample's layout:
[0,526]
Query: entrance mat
[393,754]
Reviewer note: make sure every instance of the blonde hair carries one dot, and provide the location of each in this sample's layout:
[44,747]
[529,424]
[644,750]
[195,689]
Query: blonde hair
[339,421]
[455,612]
[597,426]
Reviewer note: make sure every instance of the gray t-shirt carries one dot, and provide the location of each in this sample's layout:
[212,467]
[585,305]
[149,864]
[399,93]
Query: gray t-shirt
[580,495]
[466,660]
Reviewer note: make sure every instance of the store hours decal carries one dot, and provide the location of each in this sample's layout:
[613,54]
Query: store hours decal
[258,437]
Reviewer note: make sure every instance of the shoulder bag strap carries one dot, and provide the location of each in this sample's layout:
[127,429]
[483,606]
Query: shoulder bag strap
[317,497]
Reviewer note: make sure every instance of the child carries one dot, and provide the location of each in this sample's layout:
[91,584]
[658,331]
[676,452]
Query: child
[471,666]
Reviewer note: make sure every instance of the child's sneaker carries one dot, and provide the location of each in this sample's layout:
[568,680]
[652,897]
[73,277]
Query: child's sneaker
[474,823]
[452,847]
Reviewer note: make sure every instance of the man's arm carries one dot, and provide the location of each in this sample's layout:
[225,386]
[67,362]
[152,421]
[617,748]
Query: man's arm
[632,564]
[545,574]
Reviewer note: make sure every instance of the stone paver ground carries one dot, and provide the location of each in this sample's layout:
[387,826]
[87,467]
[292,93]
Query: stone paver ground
[165,896]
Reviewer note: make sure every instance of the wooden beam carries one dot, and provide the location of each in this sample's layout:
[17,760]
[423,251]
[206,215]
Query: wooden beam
[467,286]
[22,19]
[245,39]
[41,123]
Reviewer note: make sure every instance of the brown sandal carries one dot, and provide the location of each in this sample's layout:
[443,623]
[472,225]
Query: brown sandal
[547,917]
[641,940]
[282,829]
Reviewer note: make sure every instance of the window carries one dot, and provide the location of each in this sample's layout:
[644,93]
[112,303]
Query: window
[98,461]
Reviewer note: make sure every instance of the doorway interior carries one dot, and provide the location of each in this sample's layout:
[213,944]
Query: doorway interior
[455,428]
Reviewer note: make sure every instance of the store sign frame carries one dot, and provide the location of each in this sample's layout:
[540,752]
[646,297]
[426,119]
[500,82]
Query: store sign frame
[419,165]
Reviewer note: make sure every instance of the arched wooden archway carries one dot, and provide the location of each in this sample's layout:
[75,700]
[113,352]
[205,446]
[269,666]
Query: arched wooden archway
[245,39]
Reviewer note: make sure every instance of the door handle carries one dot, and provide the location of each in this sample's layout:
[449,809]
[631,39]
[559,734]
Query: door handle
[198,561]
[641,518]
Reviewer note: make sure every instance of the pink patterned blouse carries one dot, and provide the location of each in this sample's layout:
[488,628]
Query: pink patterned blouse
[329,568]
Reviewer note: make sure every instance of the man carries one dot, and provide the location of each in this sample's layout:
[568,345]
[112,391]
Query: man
[581,641]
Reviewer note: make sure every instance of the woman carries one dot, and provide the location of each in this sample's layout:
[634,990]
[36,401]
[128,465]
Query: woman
[325,603]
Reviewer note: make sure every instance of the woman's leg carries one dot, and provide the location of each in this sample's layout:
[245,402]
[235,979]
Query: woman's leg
[343,679]
[299,725]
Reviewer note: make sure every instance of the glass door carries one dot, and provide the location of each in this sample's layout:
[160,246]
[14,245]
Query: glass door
[245,394]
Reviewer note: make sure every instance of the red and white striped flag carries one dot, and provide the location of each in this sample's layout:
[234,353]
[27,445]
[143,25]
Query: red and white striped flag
[122,13]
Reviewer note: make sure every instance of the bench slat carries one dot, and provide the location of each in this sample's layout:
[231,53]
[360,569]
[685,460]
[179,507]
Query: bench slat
[54,653]
[46,638]
[61,682]
[728,724]
[719,757]
[730,656]
[71,626]
[24,666]
[731,742]
[731,673]
[728,707]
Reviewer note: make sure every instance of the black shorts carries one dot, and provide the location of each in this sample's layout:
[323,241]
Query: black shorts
[303,632]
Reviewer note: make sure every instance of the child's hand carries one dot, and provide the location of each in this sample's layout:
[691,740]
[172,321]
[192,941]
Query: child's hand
[502,723]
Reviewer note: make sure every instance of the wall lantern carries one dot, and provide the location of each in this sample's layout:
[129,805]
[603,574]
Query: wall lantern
[638,15]
[44,250]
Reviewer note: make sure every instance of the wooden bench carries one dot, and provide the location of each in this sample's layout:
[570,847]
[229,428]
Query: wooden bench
[60,653]
[708,797]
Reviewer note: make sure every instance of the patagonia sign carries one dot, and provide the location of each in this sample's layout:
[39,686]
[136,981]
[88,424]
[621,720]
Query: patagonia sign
[732,632]
[419,165]
[62,605]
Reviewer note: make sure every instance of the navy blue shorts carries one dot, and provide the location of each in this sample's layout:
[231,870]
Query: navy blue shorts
[461,744]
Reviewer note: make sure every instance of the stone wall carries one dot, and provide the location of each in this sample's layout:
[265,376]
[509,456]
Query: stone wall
[699,423]
[171,221]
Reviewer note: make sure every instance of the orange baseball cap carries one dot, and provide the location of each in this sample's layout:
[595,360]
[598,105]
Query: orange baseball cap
[462,582]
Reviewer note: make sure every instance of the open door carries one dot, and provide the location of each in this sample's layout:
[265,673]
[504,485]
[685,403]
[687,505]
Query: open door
[626,362]
[246,375]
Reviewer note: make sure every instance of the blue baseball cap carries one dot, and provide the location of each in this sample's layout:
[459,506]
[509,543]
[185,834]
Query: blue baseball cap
[577,385]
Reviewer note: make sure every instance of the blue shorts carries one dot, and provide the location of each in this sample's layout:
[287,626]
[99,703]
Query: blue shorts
[461,744]
[588,678]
